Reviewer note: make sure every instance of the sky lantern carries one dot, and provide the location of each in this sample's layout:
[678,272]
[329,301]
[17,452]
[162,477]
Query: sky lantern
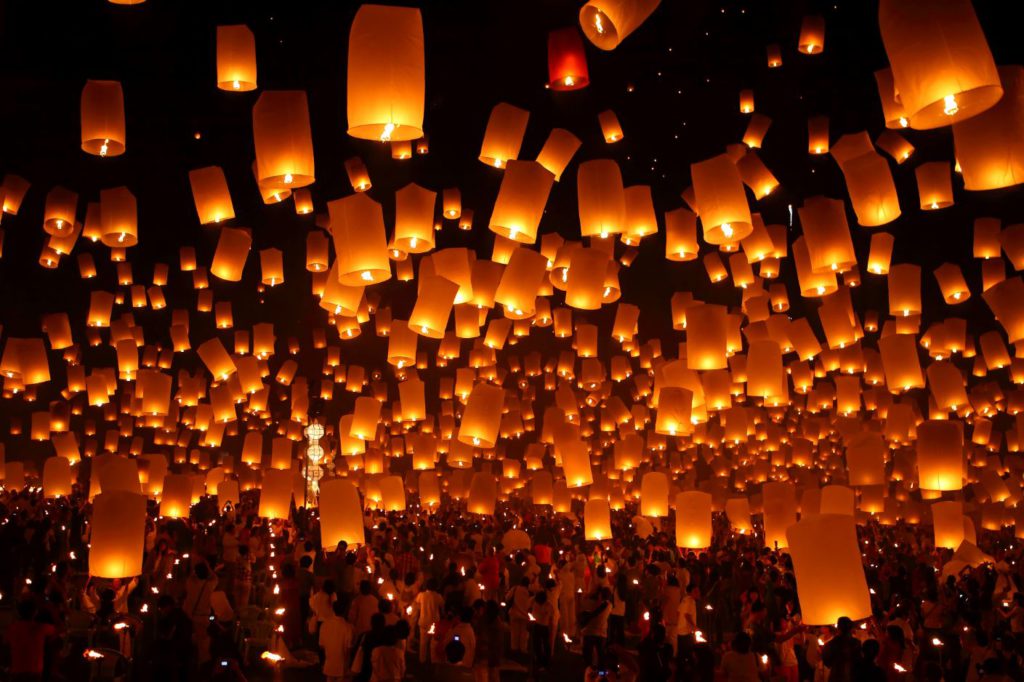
[119,217]
[934,185]
[523,194]
[606,23]
[827,235]
[779,500]
[59,213]
[210,194]
[360,243]
[283,139]
[597,520]
[482,417]
[341,516]
[452,203]
[118,535]
[557,151]
[610,127]
[817,135]
[829,573]
[941,64]
[812,35]
[681,235]
[433,307]
[601,198]
[940,455]
[103,118]
[276,494]
[892,108]
[504,135]
[586,278]
[654,494]
[232,252]
[567,60]
[386,74]
[521,282]
[990,146]
[236,58]
[358,176]
[483,494]
[693,519]
[868,180]
[724,213]
[56,477]
[176,496]
[392,493]
[414,219]
[948,523]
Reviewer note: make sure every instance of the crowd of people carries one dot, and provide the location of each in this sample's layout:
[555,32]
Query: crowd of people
[226,594]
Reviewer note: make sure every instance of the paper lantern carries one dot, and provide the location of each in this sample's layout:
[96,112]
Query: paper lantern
[118,535]
[707,337]
[724,213]
[812,35]
[176,497]
[56,477]
[597,520]
[934,185]
[837,499]
[276,494]
[610,127]
[779,501]
[360,244]
[482,417]
[567,61]
[674,412]
[13,190]
[940,60]
[429,489]
[601,198]
[358,176]
[829,572]
[284,142]
[868,180]
[433,307]
[227,494]
[892,108]
[365,417]
[341,515]
[483,494]
[654,494]
[232,251]
[940,455]
[119,218]
[585,282]
[765,376]
[990,146]
[756,175]
[757,128]
[693,519]
[681,235]
[737,509]
[880,253]
[103,118]
[386,74]
[895,145]
[59,213]
[521,282]
[521,200]
[948,524]
[210,194]
[817,135]
[900,363]
[575,462]
[606,23]
[236,58]
[557,151]
[827,235]
[504,135]
[951,283]
[392,493]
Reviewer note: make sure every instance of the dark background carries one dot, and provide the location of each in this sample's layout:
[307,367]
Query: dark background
[686,66]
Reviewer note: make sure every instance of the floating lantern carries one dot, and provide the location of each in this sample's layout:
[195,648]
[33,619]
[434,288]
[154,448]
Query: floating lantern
[284,142]
[236,58]
[606,23]
[103,118]
[830,575]
[567,61]
[504,135]
[118,535]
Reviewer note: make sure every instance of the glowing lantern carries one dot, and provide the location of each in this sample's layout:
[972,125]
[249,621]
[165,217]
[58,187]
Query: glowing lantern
[812,35]
[828,568]
[482,417]
[118,535]
[276,494]
[210,194]
[118,218]
[521,282]
[940,455]
[757,128]
[693,519]
[681,235]
[284,142]
[779,501]
[990,146]
[827,235]
[597,520]
[176,496]
[521,200]
[56,477]
[557,151]
[483,494]
[360,243]
[433,307]
[868,180]
[236,58]
[707,337]
[341,516]
[724,213]
[654,494]
[392,493]
[585,284]
[606,23]
[610,127]
[504,135]
[934,185]
[103,118]
[232,251]
[880,253]
[567,62]
[601,198]
[386,74]
[948,523]
[940,60]
[358,176]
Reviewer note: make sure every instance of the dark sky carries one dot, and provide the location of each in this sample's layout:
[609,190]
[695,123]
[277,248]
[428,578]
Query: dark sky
[686,66]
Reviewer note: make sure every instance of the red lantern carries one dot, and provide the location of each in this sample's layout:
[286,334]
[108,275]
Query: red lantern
[567,62]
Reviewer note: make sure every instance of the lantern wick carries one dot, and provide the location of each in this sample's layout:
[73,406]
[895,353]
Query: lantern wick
[951,107]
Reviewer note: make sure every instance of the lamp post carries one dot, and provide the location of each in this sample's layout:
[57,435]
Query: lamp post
[314,456]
